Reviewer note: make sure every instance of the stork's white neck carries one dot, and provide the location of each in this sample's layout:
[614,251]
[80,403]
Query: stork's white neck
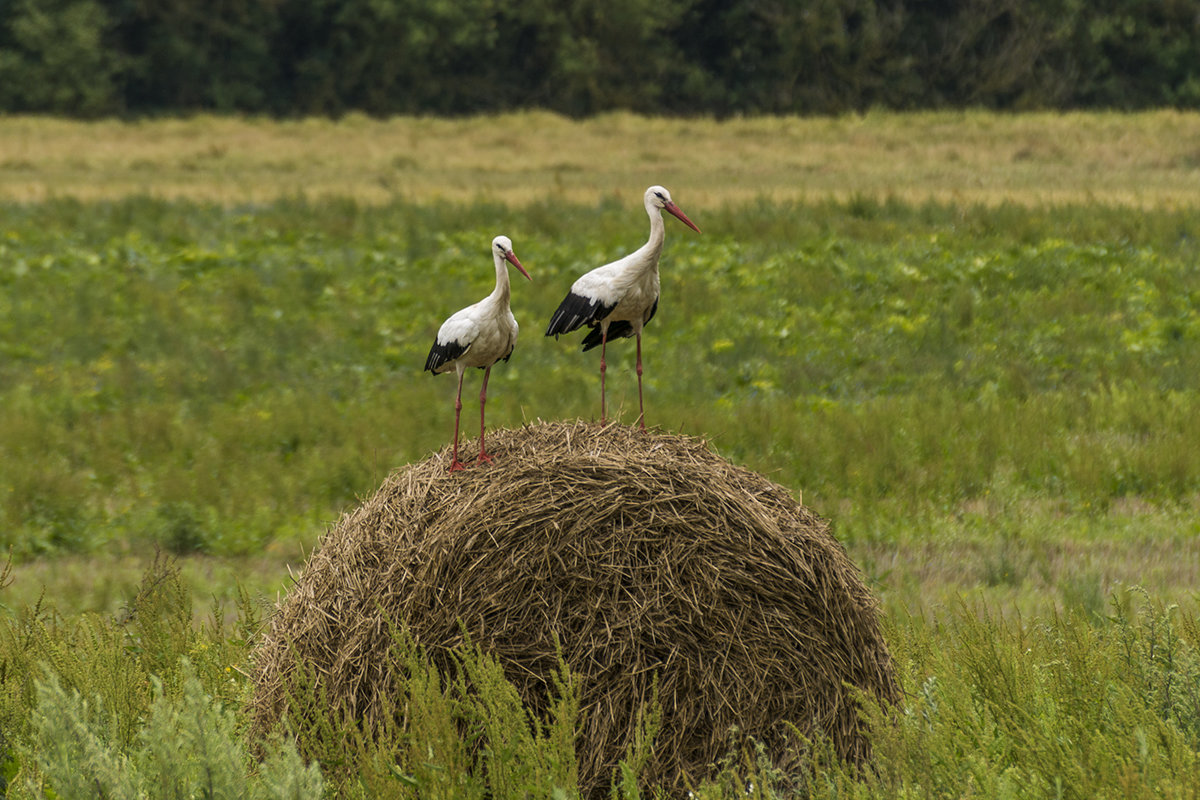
[502,292]
[654,245]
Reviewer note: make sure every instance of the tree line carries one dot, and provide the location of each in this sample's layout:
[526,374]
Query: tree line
[89,58]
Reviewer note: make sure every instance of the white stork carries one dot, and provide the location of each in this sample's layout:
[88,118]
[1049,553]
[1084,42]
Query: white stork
[618,299]
[478,336]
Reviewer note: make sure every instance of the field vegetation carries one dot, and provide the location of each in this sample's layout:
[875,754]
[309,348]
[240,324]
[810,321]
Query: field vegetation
[968,340]
[968,158]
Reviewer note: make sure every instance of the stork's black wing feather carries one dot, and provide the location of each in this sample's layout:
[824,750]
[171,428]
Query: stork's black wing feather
[443,353]
[653,309]
[575,311]
[621,329]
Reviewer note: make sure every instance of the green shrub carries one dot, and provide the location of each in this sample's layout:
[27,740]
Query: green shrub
[461,735]
[188,748]
[1069,706]
[182,529]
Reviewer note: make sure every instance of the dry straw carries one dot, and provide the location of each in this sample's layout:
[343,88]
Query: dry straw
[645,555]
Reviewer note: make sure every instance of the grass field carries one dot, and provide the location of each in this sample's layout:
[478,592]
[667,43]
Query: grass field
[969,340]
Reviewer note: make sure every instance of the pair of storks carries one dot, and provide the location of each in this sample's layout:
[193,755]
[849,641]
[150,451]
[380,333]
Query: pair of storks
[615,301]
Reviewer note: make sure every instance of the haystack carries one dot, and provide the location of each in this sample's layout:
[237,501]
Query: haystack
[644,555]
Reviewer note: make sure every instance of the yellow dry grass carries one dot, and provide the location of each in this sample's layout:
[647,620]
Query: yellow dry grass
[1147,160]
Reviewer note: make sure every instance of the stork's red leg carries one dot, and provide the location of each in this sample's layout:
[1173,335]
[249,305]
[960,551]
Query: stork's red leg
[455,464]
[603,368]
[641,405]
[483,456]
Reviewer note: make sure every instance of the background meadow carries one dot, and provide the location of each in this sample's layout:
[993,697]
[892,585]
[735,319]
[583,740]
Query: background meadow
[973,348]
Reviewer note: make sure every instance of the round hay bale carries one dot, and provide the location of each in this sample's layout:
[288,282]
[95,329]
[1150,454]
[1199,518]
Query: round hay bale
[642,554]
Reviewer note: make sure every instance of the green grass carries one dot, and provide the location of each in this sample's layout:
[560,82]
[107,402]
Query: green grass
[1072,705]
[215,380]
[993,403]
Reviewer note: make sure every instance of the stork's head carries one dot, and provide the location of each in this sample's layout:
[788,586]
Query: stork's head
[502,249]
[659,197]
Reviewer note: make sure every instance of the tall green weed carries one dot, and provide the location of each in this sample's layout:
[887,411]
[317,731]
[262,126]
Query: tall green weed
[1077,704]
[461,733]
[113,667]
[188,747]
[1068,707]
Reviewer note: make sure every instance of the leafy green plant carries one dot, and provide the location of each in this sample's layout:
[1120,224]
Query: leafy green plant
[523,756]
[75,750]
[110,665]
[461,733]
[1072,705]
[649,723]
[188,748]
[1060,707]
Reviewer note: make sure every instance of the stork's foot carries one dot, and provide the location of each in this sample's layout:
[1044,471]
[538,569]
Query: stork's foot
[456,466]
[484,458]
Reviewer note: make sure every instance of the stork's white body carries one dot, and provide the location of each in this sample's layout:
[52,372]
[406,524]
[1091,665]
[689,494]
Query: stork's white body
[478,336]
[618,299]
[630,285]
[481,334]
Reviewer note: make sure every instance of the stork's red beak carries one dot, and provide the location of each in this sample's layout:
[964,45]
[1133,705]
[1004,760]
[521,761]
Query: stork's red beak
[676,212]
[512,259]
